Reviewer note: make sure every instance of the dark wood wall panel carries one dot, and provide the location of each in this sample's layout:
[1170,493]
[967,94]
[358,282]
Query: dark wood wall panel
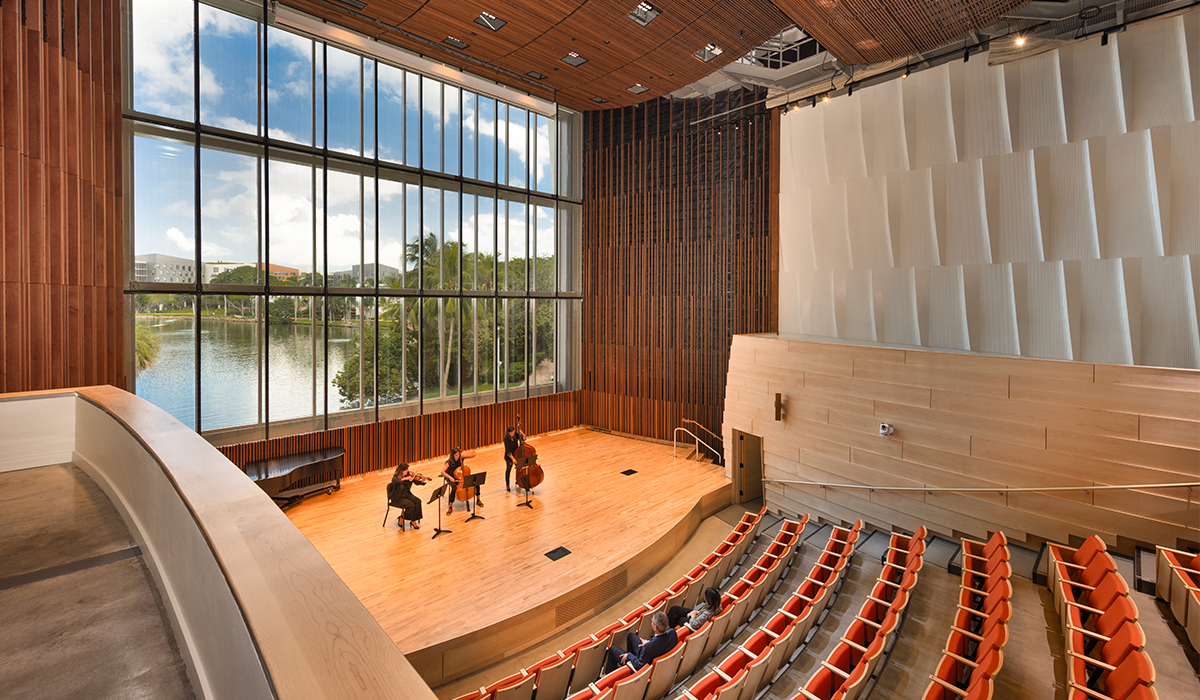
[61,303]
[373,446]
[678,256]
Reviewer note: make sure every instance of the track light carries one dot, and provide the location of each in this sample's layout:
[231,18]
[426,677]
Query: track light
[825,97]
[1104,39]
[905,76]
[1020,41]
[850,90]
[814,100]
[966,55]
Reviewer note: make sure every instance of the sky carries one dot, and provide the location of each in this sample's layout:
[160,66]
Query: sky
[164,161]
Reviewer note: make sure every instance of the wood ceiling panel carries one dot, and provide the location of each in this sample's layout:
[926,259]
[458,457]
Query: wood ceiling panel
[868,31]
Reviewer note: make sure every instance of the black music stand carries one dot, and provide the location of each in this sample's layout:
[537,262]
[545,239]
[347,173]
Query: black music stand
[474,480]
[521,464]
[437,496]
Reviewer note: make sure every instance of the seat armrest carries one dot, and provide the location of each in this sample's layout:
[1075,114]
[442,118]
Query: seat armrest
[835,669]
[1090,660]
[948,686]
[856,645]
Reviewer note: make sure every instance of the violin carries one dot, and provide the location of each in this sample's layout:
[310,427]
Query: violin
[420,479]
[530,475]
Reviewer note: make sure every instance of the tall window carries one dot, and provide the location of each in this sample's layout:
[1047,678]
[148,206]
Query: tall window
[323,238]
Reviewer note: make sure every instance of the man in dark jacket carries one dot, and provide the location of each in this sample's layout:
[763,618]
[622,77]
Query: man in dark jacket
[642,652]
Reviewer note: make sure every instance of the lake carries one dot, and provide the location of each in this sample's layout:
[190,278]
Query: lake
[231,371]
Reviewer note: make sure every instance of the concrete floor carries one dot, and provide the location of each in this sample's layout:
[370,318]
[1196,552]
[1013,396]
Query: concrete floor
[80,616]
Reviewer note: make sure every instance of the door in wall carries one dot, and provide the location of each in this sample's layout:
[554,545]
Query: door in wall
[747,467]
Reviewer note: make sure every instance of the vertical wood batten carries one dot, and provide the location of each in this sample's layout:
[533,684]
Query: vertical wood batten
[62,307]
[678,256]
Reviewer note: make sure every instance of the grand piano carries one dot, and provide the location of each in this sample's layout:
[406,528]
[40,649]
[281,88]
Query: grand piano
[278,476]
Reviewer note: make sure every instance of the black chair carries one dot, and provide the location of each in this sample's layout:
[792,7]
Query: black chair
[397,500]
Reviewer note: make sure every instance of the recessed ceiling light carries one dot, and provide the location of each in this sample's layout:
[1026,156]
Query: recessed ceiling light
[600,100]
[535,75]
[709,52]
[490,21]
[574,59]
[638,89]
[456,43]
[644,13]
[1020,41]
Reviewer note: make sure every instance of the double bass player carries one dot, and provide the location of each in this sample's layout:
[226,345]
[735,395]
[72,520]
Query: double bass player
[512,441]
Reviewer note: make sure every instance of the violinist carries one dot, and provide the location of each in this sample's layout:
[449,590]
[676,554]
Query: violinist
[400,494]
[457,456]
[513,437]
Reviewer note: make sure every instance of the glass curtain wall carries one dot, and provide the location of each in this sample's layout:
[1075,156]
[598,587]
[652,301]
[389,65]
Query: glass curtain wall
[321,238]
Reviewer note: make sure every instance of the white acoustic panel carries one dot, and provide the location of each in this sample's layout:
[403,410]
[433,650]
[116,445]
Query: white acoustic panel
[808,149]
[1185,188]
[858,307]
[1049,321]
[997,315]
[1169,326]
[870,240]
[910,219]
[901,324]
[1066,202]
[1092,94]
[1104,314]
[821,318]
[1132,229]
[928,119]
[795,233]
[790,318]
[844,139]
[884,143]
[787,179]
[985,118]
[1014,222]
[1156,75]
[967,241]
[831,239]
[948,308]
[1035,102]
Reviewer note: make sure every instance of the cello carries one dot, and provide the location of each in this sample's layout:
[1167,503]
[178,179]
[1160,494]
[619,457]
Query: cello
[461,493]
[530,475]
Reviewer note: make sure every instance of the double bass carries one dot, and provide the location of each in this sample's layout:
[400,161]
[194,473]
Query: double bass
[530,475]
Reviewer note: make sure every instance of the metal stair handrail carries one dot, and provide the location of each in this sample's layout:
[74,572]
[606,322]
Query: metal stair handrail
[985,489]
[699,442]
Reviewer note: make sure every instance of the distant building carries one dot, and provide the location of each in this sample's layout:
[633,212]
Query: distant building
[156,267]
[281,272]
[370,271]
[211,270]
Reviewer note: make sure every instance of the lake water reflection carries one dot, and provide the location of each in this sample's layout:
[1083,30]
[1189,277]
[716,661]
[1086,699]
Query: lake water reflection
[231,389]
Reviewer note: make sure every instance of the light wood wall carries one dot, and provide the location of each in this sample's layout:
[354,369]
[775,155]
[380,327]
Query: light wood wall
[678,255]
[972,420]
[61,276]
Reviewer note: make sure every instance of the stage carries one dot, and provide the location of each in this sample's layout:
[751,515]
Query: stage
[486,590]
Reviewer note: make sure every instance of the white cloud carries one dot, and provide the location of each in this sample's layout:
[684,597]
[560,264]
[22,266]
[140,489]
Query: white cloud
[208,250]
[162,51]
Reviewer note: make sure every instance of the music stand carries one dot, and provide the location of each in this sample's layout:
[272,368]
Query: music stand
[437,496]
[521,464]
[474,480]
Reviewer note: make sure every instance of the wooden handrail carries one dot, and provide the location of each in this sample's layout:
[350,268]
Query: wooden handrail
[982,489]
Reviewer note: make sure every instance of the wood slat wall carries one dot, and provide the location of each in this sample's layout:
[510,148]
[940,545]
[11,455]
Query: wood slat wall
[678,256]
[373,446]
[61,275]
[971,420]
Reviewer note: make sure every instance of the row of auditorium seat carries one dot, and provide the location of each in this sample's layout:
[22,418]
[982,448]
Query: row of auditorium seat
[1178,584]
[1105,643]
[738,604]
[572,670]
[975,647]
[852,662]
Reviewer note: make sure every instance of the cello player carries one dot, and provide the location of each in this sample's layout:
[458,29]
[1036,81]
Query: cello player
[456,459]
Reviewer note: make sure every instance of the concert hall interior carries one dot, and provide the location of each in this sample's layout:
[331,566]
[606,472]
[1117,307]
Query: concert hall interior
[879,318]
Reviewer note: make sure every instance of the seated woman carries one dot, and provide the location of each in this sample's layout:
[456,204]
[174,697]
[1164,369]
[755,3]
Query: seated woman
[703,612]
[400,495]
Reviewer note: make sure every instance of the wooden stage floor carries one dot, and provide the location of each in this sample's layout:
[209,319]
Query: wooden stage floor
[486,590]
